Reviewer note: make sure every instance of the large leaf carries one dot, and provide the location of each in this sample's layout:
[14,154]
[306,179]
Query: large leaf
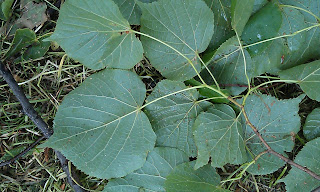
[152,175]
[277,121]
[308,77]
[298,180]
[184,178]
[99,128]
[309,50]
[130,10]
[218,134]
[172,118]
[222,19]
[228,67]
[311,128]
[185,25]
[95,33]
[241,11]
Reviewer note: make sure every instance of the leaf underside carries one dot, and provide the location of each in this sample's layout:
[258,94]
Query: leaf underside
[311,128]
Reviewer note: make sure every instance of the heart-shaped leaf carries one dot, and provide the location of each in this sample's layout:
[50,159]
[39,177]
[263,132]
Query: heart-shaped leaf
[298,180]
[172,118]
[185,25]
[152,175]
[241,11]
[96,34]
[218,134]
[100,128]
[307,76]
[277,128]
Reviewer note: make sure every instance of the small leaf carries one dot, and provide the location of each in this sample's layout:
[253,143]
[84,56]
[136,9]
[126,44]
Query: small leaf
[22,39]
[99,128]
[186,25]
[278,122]
[298,180]
[308,77]
[311,128]
[96,34]
[38,50]
[130,10]
[184,178]
[152,175]
[172,117]
[222,19]
[218,134]
[241,11]
[228,67]
[33,15]
[5,12]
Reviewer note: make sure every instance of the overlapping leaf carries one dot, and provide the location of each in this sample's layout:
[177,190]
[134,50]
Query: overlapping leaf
[99,127]
[278,122]
[172,117]
[309,50]
[311,128]
[307,76]
[152,175]
[218,134]
[228,67]
[222,20]
[96,34]
[185,179]
[185,25]
[298,180]
[130,10]
[241,11]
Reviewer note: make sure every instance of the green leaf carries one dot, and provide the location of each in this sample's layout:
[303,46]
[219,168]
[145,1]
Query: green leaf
[95,33]
[263,25]
[5,12]
[37,50]
[277,121]
[218,134]
[311,128]
[258,4]
[172,118]
[130,10]
[152,175]
[241,11]
[222,19]
[184,178]
[298,180]
[100,128]
[309,50]
[228,67]
[22,39]
[308,77]
[185,25]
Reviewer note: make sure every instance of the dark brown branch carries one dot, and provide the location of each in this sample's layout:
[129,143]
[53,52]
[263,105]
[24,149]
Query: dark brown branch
[38,121]
[269,149]
[4,163]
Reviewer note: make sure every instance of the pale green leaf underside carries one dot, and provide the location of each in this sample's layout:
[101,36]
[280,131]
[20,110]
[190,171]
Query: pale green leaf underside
[228,66]
[152,175]
[98,128]
[172,118]
[277,121]
[186,25]
[241,11]
[308,77]
[218,134]
[93,32]
[309,157]
[311,128]
[184,178]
